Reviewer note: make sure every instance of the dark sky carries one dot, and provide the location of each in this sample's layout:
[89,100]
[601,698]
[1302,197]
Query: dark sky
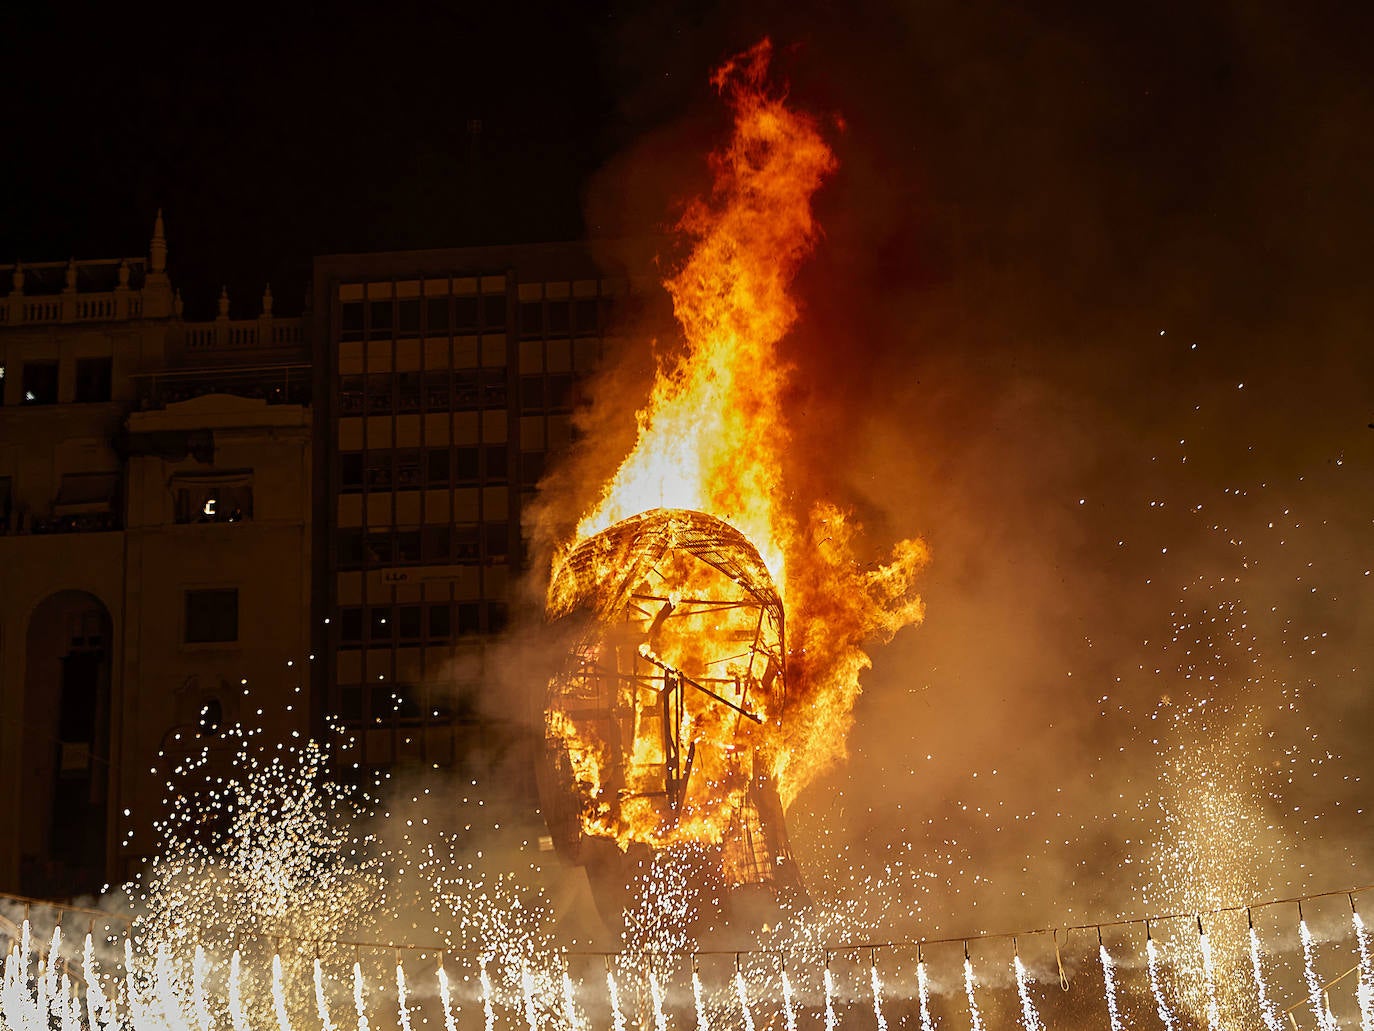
[1039,210]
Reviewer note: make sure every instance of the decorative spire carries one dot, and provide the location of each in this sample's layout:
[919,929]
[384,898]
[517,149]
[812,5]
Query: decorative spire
[123,275]
[17,278]
[224,302]
[71,276]
[267,301]
[157,252]
[176,303]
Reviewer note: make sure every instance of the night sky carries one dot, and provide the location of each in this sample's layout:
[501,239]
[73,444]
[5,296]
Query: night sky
[1086,268]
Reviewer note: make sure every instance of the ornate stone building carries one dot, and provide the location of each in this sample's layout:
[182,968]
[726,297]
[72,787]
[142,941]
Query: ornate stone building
[154,551]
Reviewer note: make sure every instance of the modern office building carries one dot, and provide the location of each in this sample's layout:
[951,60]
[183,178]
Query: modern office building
[154,551]
[444,383]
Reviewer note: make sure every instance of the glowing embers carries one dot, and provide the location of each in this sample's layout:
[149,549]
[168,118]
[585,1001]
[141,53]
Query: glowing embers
[663,722]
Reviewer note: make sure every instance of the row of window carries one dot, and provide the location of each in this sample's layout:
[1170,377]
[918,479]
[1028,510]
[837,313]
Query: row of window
[38,381]
[418,468]
[381,704]
[439,390]
[431,316]
[435,622]
[464,544]
[440,316]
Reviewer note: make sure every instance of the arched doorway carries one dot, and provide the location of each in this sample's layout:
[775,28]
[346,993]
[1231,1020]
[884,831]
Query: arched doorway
[66,750]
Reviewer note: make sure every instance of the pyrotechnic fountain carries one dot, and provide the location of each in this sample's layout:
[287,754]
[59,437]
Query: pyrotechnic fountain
[715,633]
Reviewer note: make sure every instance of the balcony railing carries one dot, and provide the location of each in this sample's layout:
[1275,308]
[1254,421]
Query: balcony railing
[279,384]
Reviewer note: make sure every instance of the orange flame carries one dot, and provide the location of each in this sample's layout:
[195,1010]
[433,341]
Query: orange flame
[713,435]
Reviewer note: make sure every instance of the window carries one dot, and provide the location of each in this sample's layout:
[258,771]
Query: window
[379,393]
[560,392]
[531,467]
[226,498]
[351,320]
[497,540]
[408,622]
[494,311]
[465,464]
[494,388]
[212,616]
[40,383]
[408,546]
[584,316]
[92,380]
[469,617]
[436,390]
[350,544]
[559,318]
[436,315]
[408,317]
[408,392]
[351,625]
[379,315]
[351,400]
[379,623]
[467,543]
[379,470]
[434,543]
[464,313]
[440,622]
[408,469]
[531,319]
[351,472]
[496,462]
[531,393]
[437,467]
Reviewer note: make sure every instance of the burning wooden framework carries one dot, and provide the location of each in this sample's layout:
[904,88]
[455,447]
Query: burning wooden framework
[662,722]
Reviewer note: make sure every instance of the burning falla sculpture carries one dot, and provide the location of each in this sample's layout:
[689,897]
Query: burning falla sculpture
[662,724]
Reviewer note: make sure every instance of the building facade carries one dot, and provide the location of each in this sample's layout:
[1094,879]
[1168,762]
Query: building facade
[444,382]
[154,551]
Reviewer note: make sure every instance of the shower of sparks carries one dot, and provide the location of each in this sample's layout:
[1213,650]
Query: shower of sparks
[279,994]
[1166,1016]
[527,998]
[1109,988]
[200,966]
[699,1001]
[488,1007]
[1315,992]
[923,994]
[446,1001]
[789,1007]
[1268,1011]
[1209,982]
[570,1015]
[613,994]
[237,1018]
[1364,988]
[975,1019]
[321,1001]
[359,996]
[742,993]
[831,1020]
[402,1010]
[656,996]
[877,988]
[1030,1019]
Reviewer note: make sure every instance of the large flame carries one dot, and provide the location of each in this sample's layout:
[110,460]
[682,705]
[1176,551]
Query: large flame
[713,436]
